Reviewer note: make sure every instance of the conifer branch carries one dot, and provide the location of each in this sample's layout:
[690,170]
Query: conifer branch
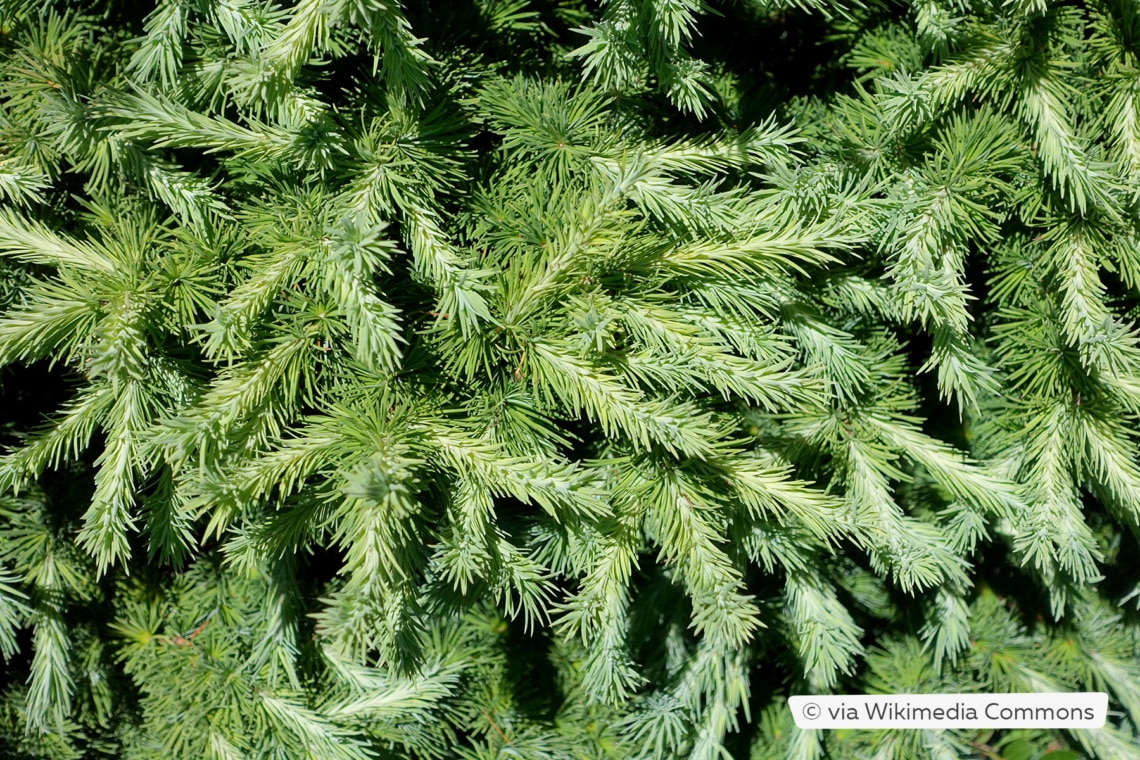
[31,241]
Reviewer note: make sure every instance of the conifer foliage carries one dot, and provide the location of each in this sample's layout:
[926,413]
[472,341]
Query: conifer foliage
[561,379]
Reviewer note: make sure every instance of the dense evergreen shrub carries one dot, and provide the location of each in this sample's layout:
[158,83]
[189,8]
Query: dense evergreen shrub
[541,379]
